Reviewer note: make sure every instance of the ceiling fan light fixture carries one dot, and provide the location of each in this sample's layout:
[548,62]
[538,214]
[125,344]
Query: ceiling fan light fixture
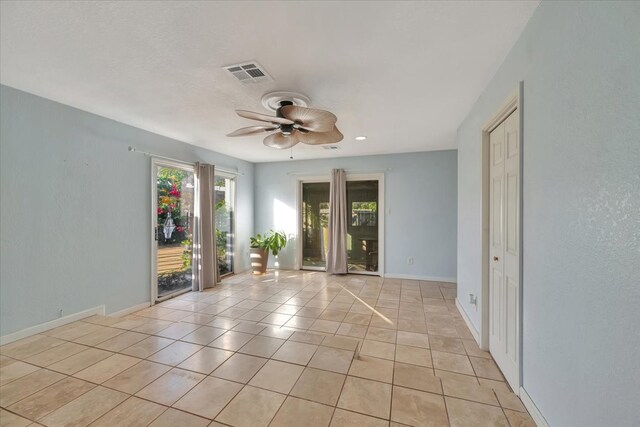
[286,129]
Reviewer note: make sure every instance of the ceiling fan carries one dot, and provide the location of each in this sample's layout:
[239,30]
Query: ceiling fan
[292,123]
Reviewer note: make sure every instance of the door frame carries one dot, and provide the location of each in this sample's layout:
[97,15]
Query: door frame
[155,162]
[234,195]
[513,102]
[381,214]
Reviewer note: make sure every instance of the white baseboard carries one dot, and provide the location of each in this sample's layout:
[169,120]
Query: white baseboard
[467,320]
[33,330]
[241,269]
[535,413]
[237,272]
[130,310]
[524,396]
[416,277]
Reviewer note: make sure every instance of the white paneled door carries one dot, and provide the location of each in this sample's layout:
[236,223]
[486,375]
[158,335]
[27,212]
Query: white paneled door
[504,247]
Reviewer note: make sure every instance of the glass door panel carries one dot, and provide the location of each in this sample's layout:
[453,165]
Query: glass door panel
[224,200]
[315,220]
[174,206]
[362,227]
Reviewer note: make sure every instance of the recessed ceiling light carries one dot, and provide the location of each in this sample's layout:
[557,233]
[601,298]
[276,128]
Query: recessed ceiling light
[360,138]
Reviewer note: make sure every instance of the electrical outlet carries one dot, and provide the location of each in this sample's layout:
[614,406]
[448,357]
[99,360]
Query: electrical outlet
[473,299]
[410,261]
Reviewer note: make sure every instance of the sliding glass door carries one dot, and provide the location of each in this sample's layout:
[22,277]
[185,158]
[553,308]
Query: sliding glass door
[363,226]
[173,213]
[315,220]
[225,233]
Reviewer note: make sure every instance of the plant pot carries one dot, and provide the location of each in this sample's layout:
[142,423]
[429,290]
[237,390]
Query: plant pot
[259,260]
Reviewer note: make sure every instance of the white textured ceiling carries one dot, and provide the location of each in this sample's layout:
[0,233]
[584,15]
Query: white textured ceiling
[404,74]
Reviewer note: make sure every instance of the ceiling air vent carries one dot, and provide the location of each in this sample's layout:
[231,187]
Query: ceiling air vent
[248,72]
[330,147]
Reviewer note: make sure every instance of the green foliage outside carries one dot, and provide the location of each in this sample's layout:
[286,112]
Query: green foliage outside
[223,221]
[365,206]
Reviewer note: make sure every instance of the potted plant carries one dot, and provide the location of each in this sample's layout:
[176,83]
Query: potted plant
[272,241]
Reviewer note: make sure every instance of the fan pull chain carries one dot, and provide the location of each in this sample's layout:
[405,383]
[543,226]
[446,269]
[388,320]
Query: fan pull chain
[291,151]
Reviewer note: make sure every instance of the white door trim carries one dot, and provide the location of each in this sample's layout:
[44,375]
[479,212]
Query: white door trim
[381,214]
[514,101]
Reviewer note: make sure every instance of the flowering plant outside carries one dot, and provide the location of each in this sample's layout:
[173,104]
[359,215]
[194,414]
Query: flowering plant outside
[169,185]
[174,191]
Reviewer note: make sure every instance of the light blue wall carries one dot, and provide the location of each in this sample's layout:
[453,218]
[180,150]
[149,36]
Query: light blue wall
[580,62]
[75,209]
[420,204]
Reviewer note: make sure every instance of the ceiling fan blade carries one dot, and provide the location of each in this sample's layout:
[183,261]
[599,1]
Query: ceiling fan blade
[278,140]
[310,118]
[263,117]
[319,138]
[252,130]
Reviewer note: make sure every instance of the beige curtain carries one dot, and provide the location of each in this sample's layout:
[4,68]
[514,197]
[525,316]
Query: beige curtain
[205,261]
[337,253]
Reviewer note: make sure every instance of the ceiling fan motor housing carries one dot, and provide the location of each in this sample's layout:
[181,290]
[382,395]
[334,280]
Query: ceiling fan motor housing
[285,129]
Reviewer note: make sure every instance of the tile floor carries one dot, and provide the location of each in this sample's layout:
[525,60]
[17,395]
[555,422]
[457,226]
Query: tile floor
[276,350]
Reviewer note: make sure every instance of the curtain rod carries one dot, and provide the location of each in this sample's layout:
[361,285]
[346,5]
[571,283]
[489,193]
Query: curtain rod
[148,154]
[363,171]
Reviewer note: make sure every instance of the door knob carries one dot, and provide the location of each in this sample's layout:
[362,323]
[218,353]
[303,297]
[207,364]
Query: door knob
[495,258]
